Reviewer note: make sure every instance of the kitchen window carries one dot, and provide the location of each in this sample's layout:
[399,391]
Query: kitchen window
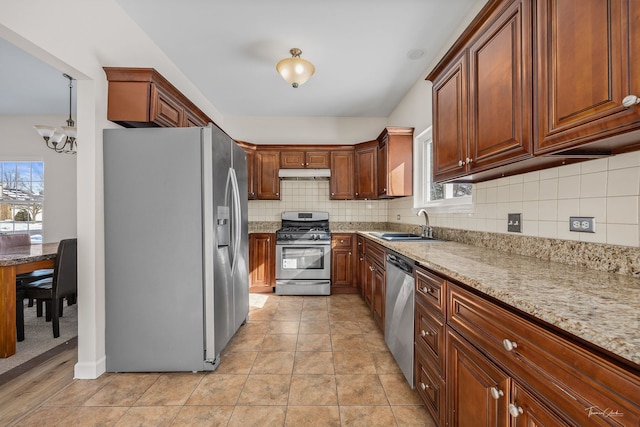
[428,194]
[21,198]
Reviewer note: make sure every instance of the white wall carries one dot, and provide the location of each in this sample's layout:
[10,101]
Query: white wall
[304,130]
[20,141]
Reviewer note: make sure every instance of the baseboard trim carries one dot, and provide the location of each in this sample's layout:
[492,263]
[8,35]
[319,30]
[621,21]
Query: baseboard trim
[90,370]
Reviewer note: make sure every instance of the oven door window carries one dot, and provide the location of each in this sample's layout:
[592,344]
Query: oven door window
[303,258]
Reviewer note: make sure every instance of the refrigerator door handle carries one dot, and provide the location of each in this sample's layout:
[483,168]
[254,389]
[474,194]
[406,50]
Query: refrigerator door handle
[237,219]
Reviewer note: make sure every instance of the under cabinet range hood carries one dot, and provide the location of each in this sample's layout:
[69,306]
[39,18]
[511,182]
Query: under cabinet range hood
[304,174]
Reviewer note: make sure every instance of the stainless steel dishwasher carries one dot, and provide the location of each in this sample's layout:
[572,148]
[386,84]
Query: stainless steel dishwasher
[399,311]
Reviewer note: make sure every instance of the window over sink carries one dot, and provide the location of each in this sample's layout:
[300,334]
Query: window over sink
[456,197]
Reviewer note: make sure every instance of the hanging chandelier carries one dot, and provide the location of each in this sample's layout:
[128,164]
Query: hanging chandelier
[295,70]
[63,141]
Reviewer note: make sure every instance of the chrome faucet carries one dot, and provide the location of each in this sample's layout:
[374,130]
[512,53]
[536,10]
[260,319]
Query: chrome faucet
[427,230]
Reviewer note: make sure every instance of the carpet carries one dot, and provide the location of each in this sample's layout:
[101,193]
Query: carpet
[38,336]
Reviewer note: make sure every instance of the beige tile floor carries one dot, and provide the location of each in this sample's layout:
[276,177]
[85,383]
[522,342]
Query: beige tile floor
[299,361]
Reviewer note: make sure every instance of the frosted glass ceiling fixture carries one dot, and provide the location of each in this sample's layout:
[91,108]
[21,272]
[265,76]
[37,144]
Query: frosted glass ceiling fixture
[295,70]
[63,141]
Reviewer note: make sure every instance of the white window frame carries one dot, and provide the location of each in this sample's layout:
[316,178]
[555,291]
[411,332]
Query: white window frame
[35,226]
[423,174]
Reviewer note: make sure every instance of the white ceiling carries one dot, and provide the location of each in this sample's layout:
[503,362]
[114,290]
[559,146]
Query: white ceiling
[229,48]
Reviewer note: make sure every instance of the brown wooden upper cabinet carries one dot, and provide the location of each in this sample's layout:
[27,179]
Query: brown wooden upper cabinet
[366,174]
[342,172]
[395,162]
[482,99]
[589,61]
[267,182]
[296,159]
[508,93]
[141,97]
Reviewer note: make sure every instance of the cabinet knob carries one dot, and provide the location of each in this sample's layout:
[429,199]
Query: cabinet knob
[307,164]
[509,345]
[341,240]
[423,333]
[349,253]
[460,163]
[630,100]
[424,386]
[301,164]
[333,194]
[361,259]
[427,290]
[277,194]
[356,193]
[514,410]
[496,393]
[469,160]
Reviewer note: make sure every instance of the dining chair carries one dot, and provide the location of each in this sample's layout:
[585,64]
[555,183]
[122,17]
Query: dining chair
[52,290]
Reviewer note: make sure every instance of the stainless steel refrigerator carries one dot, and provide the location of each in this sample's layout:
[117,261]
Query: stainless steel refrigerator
[176,250]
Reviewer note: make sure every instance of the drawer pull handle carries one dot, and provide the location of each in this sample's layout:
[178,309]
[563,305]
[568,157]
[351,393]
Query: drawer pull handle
[496,393]
[424,386]
[630,100]
[509,345]
[514,410]
[424,333]
[341,240]
[427,290]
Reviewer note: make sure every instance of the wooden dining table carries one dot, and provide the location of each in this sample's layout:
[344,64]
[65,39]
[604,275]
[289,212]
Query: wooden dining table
[15,261]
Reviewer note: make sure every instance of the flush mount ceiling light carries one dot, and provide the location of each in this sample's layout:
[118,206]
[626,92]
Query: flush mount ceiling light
[295,70]
[63,141]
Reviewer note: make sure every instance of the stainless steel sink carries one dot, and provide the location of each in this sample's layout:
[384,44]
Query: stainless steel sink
[396,237]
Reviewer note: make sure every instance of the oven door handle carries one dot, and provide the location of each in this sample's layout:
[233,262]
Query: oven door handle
[306,282]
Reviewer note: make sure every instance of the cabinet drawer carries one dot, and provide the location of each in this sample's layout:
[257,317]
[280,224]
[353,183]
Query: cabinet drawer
[342,241]
[430,289]
[572,378]
[430,336]
[431,388]
[375,252]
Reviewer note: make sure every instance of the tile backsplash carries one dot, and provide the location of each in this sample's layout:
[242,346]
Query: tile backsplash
[314,196]
[607,189]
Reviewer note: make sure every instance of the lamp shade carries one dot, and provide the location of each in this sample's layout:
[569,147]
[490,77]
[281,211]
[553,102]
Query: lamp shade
[295,70]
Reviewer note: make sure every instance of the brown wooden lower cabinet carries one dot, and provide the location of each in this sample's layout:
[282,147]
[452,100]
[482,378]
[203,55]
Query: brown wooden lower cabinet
[471,379]
[262,262]
[502,368]
[343,264]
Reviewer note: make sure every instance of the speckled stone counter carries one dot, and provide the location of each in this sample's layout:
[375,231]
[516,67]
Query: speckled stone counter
[598,307]
[263,226]
[31,253]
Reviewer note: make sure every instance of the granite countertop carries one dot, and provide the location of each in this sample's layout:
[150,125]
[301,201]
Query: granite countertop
[31,253]
[598,307]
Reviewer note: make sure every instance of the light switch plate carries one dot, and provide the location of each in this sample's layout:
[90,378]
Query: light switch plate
[583,224]
[514,222]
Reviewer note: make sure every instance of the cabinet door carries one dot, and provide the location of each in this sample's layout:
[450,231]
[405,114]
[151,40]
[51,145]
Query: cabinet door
[500,91]
[379,295]
[317,159]
[366,172]
[587,63]
[450,118]
[267,163]
[530,412]
[360,265]
[261,262]
[471,376]
[292,159]
[165,111]
[341,183]
[368,280]
[342,263]
[383,155]
[251,180]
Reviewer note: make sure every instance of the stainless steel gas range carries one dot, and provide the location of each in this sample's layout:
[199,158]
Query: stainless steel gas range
[303,254]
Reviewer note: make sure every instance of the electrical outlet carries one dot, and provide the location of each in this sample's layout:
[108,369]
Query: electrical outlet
[514,223]
[583,224]
[398,217]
